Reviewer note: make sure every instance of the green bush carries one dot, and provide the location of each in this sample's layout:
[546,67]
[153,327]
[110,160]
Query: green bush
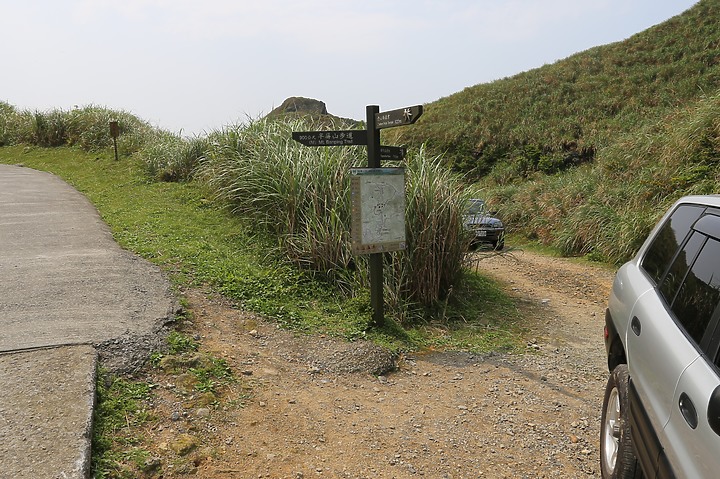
[607,208]
[437,241]
[300,194]
[87,128]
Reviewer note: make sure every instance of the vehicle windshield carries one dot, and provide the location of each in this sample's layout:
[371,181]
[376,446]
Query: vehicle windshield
[476,207]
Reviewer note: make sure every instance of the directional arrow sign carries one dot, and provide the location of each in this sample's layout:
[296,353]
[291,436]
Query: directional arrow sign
[400,117]
[331,138]
[392,153]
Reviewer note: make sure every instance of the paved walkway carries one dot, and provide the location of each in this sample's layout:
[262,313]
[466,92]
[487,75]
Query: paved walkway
[68,295]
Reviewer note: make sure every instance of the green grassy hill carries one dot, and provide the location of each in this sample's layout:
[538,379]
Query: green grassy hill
[560,114]
[585,153]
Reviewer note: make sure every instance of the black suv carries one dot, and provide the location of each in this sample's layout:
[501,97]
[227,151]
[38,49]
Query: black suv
[661,412]
[485,227]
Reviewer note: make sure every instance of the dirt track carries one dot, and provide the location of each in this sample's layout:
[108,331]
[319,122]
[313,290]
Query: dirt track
[451,415]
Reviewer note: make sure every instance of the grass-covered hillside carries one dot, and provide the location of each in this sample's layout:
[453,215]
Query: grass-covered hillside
[585,153]
[561,113]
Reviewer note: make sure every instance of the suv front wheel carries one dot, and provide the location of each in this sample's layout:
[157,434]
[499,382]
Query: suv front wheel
[617,460]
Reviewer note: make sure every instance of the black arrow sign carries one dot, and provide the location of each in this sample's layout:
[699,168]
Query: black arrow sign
[400,117]
[331,138]
[392,153]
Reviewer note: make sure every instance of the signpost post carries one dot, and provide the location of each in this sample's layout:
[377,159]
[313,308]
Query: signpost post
[115,132]
[375,261]
[375,121]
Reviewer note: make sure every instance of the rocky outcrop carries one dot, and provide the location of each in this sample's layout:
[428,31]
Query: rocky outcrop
[296,104]
[314,109]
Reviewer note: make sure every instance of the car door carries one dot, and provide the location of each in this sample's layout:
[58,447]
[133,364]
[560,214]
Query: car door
[695,446]
[690,437]
[658,353]
[663,322]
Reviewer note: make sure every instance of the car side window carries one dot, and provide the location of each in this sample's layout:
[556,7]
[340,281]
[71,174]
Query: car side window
[698,296]
[680,267]
[669,237]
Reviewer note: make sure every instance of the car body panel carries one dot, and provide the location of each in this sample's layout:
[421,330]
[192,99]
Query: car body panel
[659,342]
[630,283]
[646,443]
[694,452]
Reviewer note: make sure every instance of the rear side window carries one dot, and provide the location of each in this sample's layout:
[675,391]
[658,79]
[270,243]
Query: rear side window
[699,293]
[680,267]
[668,239]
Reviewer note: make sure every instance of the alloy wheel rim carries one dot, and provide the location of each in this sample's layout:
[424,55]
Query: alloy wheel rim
[611,431]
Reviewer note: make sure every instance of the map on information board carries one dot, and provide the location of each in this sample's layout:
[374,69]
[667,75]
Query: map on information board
[378,209]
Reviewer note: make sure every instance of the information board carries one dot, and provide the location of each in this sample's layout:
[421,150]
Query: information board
[378,209]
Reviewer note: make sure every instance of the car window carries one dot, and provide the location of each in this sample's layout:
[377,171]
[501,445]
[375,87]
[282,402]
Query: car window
[680,267]
[699,293]
[476,207]
[669,237]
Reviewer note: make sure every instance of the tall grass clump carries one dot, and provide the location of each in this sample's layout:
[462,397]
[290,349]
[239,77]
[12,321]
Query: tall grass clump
[7,117]
[16,126]
[170,157]
[298,193]
[607,209]
[88,128]
[49,128]
[437,241]
[302,195]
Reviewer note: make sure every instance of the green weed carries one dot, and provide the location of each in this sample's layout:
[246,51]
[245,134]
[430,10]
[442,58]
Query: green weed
[118,410]
[179,343]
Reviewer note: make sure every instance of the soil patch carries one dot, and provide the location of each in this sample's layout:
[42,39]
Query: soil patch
[309,407]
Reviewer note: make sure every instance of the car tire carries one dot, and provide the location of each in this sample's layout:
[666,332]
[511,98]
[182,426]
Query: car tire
[617,459]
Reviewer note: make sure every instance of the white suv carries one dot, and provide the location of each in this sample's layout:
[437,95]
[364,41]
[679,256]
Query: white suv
[661,412]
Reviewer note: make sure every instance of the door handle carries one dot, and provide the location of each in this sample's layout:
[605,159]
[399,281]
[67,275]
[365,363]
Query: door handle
[687,408]
[636,326]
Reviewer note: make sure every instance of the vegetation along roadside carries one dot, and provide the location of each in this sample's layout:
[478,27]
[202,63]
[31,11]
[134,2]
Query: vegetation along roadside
[198,240]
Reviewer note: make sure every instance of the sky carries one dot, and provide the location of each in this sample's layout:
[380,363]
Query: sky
[193,66]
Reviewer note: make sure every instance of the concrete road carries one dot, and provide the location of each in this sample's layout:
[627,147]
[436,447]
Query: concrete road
[68,295]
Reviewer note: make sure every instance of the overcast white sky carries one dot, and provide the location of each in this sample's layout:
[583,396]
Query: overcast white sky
[198,65]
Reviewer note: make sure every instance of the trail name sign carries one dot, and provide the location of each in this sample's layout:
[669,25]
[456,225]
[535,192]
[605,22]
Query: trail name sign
[331,138]
[378,202]
[346,138]
[403,116]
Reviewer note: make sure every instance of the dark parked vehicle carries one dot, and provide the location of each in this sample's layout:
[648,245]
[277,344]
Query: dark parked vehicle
[487,228]
[661,412]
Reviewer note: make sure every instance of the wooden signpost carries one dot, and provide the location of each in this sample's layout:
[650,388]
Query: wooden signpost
[114,133]
[387,184]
